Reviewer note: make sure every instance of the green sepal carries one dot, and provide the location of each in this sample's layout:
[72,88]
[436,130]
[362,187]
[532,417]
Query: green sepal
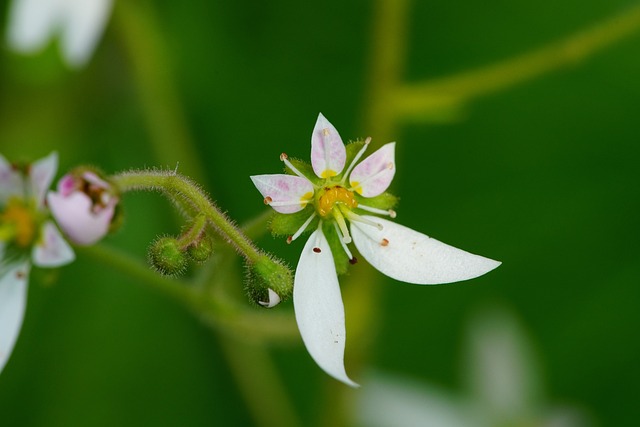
[268,272]
[305,169]
[288,224]
[383,201]
[340,257]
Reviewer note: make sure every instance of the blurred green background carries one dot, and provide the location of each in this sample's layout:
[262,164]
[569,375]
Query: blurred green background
[543,176]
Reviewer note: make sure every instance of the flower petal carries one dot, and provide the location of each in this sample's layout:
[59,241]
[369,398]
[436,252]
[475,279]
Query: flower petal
[406,255]
[83,24]
[13,300]
[374,174]
[10,181]
[328,154]
[52,250]
[41,175]
[31,24]
[318,307]
[78,220]
[284,193]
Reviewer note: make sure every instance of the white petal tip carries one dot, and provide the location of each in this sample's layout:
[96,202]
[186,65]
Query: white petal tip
[274,299]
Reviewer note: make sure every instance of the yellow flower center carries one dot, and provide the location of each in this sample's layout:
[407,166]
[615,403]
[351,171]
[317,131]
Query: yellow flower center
[333,195]
[18,223]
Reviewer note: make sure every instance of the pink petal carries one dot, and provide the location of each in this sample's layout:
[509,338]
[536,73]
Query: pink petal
[10,181]
[78,219]
[374,174]
[53,250]
[41,175]
[284,193]
[328,154]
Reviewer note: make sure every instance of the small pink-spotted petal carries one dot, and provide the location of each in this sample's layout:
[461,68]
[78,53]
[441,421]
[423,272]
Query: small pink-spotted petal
[11,183]
[328,154]
[373,175]
[284,193]
[52,250]
[13,302]
[41,175]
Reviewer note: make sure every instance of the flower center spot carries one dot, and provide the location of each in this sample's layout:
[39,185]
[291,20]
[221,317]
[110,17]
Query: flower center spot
[333,195]
[19,222]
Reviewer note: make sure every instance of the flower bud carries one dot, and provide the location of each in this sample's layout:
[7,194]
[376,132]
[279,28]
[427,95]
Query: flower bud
[200,250]
[268,282]
[84,206]
[167,257]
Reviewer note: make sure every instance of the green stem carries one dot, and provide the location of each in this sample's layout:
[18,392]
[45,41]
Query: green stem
[429,98]
[181,188]
[214,308]
[166,120]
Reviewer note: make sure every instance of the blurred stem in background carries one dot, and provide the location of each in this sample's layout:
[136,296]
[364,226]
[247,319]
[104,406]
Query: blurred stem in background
[152,71]
[389,102]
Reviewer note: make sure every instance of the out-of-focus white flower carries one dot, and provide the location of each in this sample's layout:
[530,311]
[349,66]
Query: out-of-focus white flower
[78,23]
[338,195]
[504,384]
[83,206]
[26,237]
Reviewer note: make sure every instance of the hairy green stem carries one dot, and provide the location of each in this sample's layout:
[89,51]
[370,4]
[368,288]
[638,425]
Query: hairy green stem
[179,187]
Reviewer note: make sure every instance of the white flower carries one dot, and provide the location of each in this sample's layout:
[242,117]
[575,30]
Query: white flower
[26,236]
[395,250]
[83,206]
[80,23]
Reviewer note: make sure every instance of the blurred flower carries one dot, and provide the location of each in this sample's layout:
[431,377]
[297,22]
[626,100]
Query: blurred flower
[395,250]
[504,387]
[26,236]
[80,23]
[83,206]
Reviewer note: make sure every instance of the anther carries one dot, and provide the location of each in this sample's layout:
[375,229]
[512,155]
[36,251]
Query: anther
[325,132]
[384,242]
[289,240]
[283,157]
[392,213]
[267,200]
[317,250]
[353,261]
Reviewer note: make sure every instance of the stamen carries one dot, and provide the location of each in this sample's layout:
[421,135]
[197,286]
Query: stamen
[316,248]
[357,218]
[388,166]
[344,245]
[384,242]
[267,200]
[355,159]
[390,212]
[287,163]
[301,229]
[326,148]
[340,222]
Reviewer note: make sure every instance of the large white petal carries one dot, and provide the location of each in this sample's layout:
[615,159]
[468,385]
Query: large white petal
[406,255]
[318,307]
[53,250]
[13,300]
[328,154]
[83,24]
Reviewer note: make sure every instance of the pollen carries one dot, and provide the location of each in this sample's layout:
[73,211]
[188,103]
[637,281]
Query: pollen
[333,195]
[19,218]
